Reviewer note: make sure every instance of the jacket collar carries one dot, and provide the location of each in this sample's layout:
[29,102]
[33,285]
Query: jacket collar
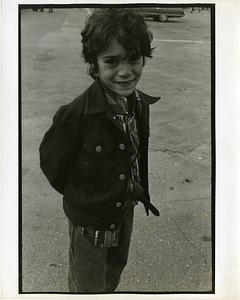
[97,103]
[148,100]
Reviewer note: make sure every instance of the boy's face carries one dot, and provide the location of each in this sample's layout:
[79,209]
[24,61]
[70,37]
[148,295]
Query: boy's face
[119,72]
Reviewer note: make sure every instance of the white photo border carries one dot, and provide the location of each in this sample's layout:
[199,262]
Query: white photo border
[227,105]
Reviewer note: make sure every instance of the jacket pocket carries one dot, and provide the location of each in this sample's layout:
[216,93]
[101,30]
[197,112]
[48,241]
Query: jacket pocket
[102,159]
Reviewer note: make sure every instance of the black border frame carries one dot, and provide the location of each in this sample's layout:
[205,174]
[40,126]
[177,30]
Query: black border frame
[213,135]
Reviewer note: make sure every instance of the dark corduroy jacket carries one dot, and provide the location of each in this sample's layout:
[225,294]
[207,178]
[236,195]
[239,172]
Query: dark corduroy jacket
[85,156]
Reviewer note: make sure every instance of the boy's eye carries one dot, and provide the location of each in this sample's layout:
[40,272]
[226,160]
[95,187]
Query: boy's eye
[112,62]
[134,58]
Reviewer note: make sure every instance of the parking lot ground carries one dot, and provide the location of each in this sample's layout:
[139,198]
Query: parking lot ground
[168,253]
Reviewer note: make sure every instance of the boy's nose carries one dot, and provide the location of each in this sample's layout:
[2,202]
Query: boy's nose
[124,70]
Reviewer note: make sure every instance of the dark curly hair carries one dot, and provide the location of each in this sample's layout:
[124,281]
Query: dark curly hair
[124,25]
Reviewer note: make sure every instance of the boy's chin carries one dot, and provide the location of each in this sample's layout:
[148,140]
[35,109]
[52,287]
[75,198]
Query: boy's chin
[125,93]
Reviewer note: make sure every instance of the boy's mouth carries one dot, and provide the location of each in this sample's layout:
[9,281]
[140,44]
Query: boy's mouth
[126,83]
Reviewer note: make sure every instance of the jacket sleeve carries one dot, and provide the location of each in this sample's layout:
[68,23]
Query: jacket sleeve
[56,149]
[144,144]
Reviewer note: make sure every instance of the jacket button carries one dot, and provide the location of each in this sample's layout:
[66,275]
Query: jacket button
[121,146]
[99,149]
[112,226]
[122,176]
[118,204]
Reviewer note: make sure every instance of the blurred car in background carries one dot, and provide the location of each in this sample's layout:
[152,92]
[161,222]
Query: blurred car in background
[161,14]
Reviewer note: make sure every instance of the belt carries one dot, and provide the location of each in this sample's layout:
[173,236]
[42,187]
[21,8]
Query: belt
[101,238]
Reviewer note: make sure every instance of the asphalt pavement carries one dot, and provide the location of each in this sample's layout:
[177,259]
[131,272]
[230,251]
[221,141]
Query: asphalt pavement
[168,253]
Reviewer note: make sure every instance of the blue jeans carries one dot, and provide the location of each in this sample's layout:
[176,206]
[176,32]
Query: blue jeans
[94,269]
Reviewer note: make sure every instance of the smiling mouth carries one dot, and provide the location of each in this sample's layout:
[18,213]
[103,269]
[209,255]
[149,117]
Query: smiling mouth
[125,83]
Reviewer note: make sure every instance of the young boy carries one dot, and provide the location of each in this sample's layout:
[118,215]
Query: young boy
[96,151]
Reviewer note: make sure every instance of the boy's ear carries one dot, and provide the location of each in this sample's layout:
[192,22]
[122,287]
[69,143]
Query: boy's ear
[92,70]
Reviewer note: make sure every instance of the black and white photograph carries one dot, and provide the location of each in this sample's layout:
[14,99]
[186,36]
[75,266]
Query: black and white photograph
[117,108]
[115,174]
